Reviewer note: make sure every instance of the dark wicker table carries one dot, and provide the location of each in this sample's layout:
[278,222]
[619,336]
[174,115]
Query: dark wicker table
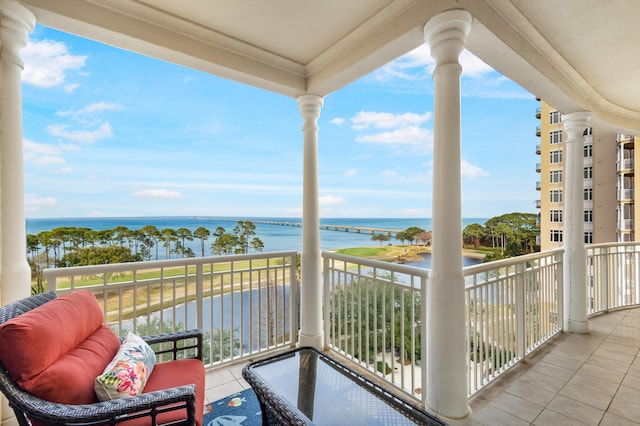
[307,387]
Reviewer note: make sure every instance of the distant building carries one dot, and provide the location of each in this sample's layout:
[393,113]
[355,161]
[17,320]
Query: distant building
[609,179]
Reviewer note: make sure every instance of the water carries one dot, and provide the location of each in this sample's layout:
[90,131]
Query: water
[274,237]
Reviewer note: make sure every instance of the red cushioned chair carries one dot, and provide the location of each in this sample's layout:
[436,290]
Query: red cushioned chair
[53,348]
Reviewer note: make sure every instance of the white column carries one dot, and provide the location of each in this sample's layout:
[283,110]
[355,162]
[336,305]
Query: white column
[574,270]
[15,275]
[311,274]
[446,354]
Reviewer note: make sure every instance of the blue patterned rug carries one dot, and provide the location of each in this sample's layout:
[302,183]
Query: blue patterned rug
[240,409]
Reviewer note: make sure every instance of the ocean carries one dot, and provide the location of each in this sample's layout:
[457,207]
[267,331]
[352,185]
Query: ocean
[274,237]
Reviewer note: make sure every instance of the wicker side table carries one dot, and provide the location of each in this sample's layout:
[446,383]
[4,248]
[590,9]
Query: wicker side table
[307,387]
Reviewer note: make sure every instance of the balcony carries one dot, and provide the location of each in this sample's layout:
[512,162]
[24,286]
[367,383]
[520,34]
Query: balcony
[538,112]
[538,186]
[538,149]
[626,194]
[538,204]
[538,168]
[537,127]
[247,306]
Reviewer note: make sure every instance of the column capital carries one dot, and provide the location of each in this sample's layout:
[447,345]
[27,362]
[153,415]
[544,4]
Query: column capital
[446,33]
[574,123]
[310,106]
[16,22]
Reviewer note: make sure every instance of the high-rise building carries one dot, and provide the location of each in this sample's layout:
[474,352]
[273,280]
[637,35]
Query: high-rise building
[609,179]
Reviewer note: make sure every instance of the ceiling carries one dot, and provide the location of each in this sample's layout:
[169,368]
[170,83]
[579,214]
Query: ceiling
[574,54]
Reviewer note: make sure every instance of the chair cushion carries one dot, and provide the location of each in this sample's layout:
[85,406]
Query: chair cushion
[59,326]
[70,379]
[127,374]
[171,374]
[59,348]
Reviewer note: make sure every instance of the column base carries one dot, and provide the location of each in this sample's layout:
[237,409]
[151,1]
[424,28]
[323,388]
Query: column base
[578,327]
[316,341]
[462,421]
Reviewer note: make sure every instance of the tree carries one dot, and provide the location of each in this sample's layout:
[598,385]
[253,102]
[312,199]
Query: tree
[243,230]
[224,244]
[257,244]
[424,238]
[152,237]
[411,233]
[202,234]
[381,238]
[97,256]
[184,234]
[474,232]
[168,235]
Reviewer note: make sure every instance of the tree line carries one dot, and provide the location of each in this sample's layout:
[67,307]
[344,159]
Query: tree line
[508,235]
[73,246]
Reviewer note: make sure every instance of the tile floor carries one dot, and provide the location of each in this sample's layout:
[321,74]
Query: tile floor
[589,379]
[576,379]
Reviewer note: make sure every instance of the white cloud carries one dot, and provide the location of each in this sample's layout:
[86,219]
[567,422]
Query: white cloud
[389,173]
[471,171]
[70,88]
[330,200]
[34,204]
[418,64]
[48,160]
[41,154]
[350,172]
[411,135]
[96,107]
[81,136]
[46,63]
[337,121]
[39,148]
[386,120]
[158,193]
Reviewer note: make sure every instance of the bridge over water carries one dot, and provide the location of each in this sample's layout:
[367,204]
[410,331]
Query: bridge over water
[342,228]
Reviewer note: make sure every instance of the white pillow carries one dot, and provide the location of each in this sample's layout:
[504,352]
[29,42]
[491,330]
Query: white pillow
[128,372]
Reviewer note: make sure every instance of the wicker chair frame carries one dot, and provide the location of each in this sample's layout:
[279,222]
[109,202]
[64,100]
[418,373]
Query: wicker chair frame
[111,412]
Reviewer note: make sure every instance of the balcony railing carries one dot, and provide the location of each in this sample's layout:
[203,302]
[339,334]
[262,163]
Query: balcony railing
[373,310]
[244,304]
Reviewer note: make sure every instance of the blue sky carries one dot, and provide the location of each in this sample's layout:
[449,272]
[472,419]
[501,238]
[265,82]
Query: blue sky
[112,133]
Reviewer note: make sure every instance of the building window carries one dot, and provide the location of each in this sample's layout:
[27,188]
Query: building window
[588,172]
[588,194]
[556,215]
[588,237]
[556,176]
[555,117]
[556,235]
[588,151]
[555,157]
[555,136]
[555,196]
[588,216]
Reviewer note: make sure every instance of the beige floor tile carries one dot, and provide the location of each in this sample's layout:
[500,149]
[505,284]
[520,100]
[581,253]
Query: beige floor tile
[628,394]
[631,381]
[543,381]
[551,418]
[517,406]
[218,377]
[590,382]
[602,373]
[531,393]
[613,420]
[606,363]
[622,340]
[562,361]
[492,416]
[576,410]
[614,350]
[220,391]
[622,408]
[587,396]
[553,370]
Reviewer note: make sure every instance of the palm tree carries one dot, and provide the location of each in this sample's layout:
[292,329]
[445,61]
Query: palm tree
[184,234]
[152,237]
[168,235]
[202,233]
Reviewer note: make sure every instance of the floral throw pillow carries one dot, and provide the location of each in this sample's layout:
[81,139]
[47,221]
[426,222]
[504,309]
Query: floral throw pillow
[128,372]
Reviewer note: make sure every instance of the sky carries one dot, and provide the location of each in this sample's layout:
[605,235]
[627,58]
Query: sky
[111,133]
